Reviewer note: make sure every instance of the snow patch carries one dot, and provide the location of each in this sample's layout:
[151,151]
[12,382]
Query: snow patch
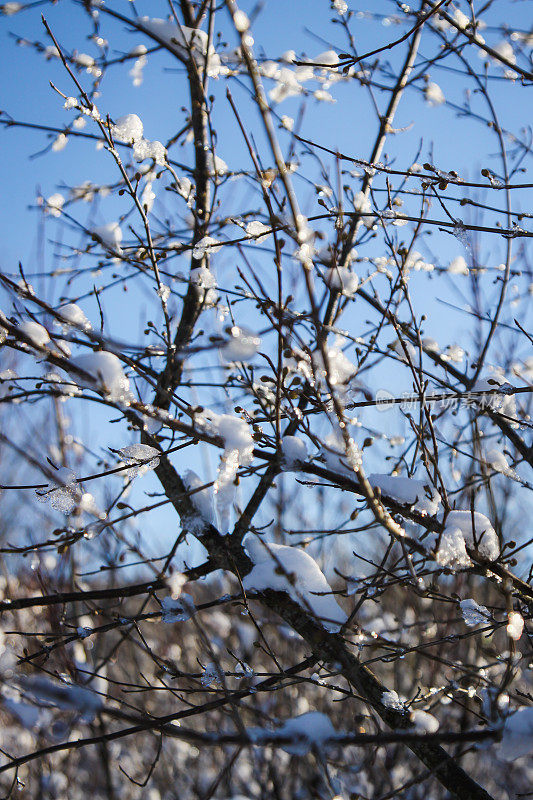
[424,722]
[177,610]
[128,129]
[308,731]
[292,570]
[73,315]
[238,443]
[419,495]
[515,625]
[36,333]
[294,450]
[106,371]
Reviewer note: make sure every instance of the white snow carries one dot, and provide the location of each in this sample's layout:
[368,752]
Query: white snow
[391,699]
[207,244]
[305,254]
[238,442]
[177,610]
[337,459]
[108,375]
[216,165]
[84,59]
[419,495]
[308,731]
[60,142]
[88,504]
[461,18]
[54,204]
[473,613]
[434,94]
[292,570]
[180,39]
[343,279]
[147,201]
[461,528]
[202,499]
[340,6]
[515,625]
[430,345]
[341,369]
[328,58]
[506,404]
[110,235]
[424,722]
[363,205]
[176,582]
[184,42]
[136,72]
[241,21]
[242,345]
[458,266]
[36,333]
[136,454]
[185,187]
[293,450]
[128,129]
[452,550]
[476,526]
[517,739]
[453,353]
[143,149]
[258,230]
[400,348]
[11,8]
[235,432]
[67,697]
[73,315]
[287,84]
[497,460]
[505,50]
[322,95]
[205,281]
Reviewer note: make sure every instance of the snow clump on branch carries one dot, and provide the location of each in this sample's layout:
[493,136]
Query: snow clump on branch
[464,528]
[419,495]
[128,129]
[105,374]
[238,450]
[292,570]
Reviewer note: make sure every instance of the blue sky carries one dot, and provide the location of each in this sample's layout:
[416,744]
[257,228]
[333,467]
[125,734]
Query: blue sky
[349,125]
